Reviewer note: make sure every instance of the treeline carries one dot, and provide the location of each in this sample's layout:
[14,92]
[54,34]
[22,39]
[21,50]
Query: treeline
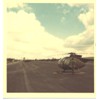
[9,60]
[53,59]
[27,60]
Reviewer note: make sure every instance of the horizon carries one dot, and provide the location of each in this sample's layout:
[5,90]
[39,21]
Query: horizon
[45,58]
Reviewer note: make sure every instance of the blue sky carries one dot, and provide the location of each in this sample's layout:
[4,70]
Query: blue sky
[59,19]
[68,27]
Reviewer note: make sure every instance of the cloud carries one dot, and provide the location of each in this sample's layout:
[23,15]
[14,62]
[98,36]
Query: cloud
[63,19]
[65,11]
[89,5]
[18,6]
[27,37]
[87,18]
[15,4]
[75,4]
[83,42]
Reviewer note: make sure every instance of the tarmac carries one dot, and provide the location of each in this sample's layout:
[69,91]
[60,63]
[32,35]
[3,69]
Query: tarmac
[46,76]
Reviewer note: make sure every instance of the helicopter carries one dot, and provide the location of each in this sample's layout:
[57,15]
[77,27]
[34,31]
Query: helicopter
[73,62]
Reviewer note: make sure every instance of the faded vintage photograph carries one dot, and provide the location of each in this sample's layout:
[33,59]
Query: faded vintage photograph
[50,47]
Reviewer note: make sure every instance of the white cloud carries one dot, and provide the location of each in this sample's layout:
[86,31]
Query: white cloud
[87,18]
[75,4]
[65,11]
[63,19]
[19,6]
[83,42]
[83,39]
[89,5]
[27,37]
[15,4]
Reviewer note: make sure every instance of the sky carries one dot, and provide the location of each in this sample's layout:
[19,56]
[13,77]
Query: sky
[49,30]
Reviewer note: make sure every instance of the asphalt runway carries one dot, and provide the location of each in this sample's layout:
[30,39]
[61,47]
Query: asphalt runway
[46,76]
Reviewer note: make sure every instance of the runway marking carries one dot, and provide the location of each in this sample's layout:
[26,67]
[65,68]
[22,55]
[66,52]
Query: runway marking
[14,63]
[27,84]
[16,71]
[27,67]
[70,73]
[32,68]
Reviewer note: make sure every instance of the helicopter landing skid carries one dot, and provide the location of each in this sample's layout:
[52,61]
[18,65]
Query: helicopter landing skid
[68,72]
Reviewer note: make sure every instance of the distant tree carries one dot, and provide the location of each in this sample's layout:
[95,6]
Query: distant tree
[24,59]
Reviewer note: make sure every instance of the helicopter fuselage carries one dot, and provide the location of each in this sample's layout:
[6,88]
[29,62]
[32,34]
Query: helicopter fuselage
[70,63]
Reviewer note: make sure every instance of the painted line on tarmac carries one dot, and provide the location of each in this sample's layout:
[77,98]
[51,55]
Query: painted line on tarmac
[12,63]
[32,68]
[35,66]
[16,71]
[27,84]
